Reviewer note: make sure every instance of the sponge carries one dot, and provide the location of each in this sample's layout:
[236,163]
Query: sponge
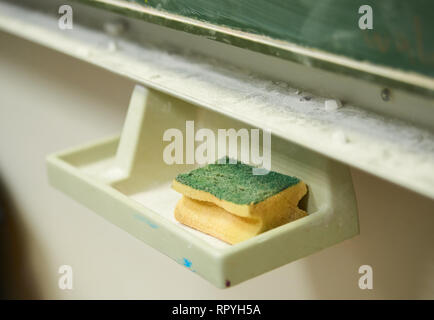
[229,202]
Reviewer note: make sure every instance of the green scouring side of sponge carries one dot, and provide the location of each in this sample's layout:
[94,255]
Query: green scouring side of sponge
[236,183]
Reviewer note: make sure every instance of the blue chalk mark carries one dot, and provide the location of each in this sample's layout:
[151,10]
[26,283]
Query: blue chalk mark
[186,262]
[143,219]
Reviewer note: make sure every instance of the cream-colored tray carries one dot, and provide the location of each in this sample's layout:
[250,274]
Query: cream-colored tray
[125,180]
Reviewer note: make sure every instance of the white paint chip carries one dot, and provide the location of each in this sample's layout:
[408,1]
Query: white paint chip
[332,104]
[114,28]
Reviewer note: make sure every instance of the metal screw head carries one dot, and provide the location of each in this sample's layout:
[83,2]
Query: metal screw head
[385,94]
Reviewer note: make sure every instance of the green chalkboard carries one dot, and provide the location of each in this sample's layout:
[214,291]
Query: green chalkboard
[401,38]
[402,34]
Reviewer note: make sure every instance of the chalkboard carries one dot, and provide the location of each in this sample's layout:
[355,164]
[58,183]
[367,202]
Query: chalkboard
[401,38]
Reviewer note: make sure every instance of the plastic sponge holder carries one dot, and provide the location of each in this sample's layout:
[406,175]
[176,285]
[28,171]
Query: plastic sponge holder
[125,180]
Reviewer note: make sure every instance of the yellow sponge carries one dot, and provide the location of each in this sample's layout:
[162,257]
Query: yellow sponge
[219,223]
[279,202]
[229,202]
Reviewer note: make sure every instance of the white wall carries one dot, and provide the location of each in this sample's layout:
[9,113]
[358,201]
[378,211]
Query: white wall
[49,102]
